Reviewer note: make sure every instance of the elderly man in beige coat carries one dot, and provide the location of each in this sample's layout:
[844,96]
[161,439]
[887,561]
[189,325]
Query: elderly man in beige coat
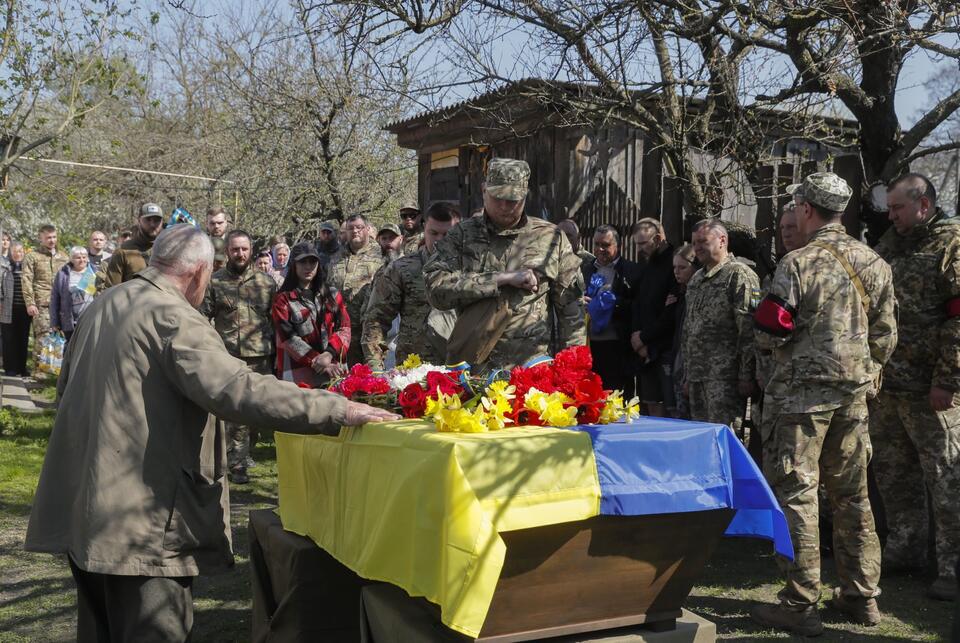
[133,487]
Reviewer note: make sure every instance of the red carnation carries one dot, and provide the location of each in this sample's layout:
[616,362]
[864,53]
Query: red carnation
[576,358]
[361,370]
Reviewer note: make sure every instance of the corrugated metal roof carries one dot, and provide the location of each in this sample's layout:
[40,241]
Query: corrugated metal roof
[503,90]
[573,87]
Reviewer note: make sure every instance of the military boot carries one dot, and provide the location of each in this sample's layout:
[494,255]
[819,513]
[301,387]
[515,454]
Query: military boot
[943,589]
[858,608]
[805,622]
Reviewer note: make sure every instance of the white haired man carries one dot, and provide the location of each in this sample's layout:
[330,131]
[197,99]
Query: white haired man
[133,485]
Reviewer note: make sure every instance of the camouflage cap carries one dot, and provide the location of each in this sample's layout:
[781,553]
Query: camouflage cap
[826,190]
[389,227]
[507,179]
[329,226]
[151,210]
[410,205]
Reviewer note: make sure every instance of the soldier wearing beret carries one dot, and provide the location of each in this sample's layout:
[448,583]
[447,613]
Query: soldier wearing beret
[915,420]
[503,272]
[829,323]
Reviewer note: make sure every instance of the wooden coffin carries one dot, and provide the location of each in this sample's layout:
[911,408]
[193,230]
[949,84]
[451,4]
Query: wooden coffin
[601,573]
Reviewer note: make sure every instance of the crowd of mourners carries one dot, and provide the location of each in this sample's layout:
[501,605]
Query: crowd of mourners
[839,333]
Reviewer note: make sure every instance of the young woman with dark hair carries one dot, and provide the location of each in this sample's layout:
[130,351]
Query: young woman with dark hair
[311,322]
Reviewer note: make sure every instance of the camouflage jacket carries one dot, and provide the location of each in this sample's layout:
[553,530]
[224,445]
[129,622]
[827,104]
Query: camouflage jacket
[825,346]
[463,271]
[717,340]
[240,306]
[39,270]
[398,289]
[411,243]
[926,279]
[132,257]
[351,274]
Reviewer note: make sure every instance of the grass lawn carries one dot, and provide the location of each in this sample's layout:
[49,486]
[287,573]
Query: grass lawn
[37,600]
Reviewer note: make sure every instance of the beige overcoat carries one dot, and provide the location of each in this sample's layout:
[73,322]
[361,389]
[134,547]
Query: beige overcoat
[133,481]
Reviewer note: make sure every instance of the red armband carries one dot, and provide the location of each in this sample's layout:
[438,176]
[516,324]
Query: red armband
[774,316]
[953,308]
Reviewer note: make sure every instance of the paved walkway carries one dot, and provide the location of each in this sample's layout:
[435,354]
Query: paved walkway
[14,394]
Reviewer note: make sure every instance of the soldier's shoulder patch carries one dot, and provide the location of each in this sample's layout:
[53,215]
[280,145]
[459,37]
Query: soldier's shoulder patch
[755,297]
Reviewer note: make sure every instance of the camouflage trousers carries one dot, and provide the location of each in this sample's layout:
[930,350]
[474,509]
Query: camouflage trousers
[240,438]
[917,450]
[833,446]
[717,401]
[41,327]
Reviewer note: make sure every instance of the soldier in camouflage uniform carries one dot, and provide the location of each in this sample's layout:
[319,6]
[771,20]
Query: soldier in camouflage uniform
[717,339]
[39,270]
[390,240]
[829,321]
[412,226]
[239,300]
[351,273]
[134,253]
[504,254]
[915,420]
[399,289]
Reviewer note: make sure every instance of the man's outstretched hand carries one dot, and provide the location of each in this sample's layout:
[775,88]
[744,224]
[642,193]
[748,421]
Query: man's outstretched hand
[358,414]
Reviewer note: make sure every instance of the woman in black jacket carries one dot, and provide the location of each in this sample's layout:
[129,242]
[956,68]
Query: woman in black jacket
[684,266]
[14,320]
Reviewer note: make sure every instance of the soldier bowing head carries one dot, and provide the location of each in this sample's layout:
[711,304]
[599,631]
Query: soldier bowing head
[911,199]
[505,192]
[440,217]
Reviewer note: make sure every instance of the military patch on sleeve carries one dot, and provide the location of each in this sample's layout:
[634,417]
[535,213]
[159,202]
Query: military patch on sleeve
[755,298]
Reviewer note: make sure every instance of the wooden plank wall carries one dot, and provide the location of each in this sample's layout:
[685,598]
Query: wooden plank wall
[615,176]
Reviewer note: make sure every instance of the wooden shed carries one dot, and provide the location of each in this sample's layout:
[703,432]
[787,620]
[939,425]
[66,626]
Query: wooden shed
[606,174]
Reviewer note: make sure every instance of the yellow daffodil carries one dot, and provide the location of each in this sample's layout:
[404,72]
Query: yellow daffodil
[555,409]
[413,361]
[615,409]
[502,389]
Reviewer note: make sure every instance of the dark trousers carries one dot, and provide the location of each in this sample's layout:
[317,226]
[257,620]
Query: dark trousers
[613,362]
[117,609]
[15,336]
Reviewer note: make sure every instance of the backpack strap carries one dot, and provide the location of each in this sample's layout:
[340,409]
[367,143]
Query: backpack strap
[854,277]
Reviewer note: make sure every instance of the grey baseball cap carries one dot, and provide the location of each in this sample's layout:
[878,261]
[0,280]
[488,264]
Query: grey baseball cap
[151,210]
[826,190]
[329,226]
[507,179]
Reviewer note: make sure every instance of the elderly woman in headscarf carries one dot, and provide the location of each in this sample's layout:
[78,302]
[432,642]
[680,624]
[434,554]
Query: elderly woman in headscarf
[281,258]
